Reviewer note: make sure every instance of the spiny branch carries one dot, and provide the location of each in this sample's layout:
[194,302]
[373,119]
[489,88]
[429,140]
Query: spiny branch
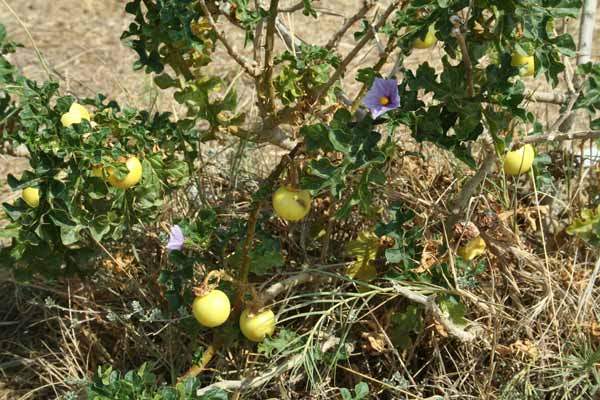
[367,5]
[460,37]
[461,201]
[268,90]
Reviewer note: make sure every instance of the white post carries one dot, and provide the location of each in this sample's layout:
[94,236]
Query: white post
[586,31]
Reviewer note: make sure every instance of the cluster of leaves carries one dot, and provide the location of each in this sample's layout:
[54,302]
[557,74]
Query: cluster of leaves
[142,384]
[590,97]
[496,30]
[175,33]
[164,34]
[304,72]
[78,208]
[7,71]
[353,166]
[587,226]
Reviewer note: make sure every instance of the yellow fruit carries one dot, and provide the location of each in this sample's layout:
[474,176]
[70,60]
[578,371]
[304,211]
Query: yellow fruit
[133,177]
[291,204]
[519,161]
[519,60]
[212,309]
[78,109]
[76,114]
[31,196]
[97,171]
[475,247]
[429,40]
[256,326]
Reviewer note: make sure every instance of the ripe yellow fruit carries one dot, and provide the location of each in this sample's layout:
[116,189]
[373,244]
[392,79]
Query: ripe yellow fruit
[519,161]
[133,177]
[76,114]
[519,60]
[475,247]
[256,326]
[31,196]
[212,309]
[98,171]
[429,40]
[291,204]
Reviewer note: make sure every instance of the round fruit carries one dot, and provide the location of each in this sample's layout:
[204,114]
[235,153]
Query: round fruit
[31,196]
[475,247]
[78,109]
[97,172]
[256,326]
[519,60]
[133,177]
[212,309]
[76,114]
[291,204]
[429,40]
[519,161]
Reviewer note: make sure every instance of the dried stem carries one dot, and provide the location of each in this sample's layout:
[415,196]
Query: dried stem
[460,37]
[267,94]
[459,204]
[547,97]
[561,136]
[428,301]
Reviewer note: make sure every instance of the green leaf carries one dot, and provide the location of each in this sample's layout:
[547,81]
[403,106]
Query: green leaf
[276,345]
[361,390]
[345,393]
[454,309]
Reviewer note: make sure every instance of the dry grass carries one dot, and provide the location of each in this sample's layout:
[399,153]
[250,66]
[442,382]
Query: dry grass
[536,302]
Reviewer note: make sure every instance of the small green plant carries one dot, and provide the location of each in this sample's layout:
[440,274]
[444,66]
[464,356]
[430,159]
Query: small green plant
[142,384]
[361,392]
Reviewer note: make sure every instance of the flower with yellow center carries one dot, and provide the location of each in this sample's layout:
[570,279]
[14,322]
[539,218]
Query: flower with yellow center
[382,97]
[384,101]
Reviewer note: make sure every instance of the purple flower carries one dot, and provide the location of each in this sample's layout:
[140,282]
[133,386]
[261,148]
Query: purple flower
[175,239]
[382,97]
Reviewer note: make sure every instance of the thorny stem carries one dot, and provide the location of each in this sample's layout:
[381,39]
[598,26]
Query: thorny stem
[460,37]
[329,229]
[268,90]
[252,220]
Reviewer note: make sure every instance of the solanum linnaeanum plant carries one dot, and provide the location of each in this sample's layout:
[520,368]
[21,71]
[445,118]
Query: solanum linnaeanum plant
[74,193]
